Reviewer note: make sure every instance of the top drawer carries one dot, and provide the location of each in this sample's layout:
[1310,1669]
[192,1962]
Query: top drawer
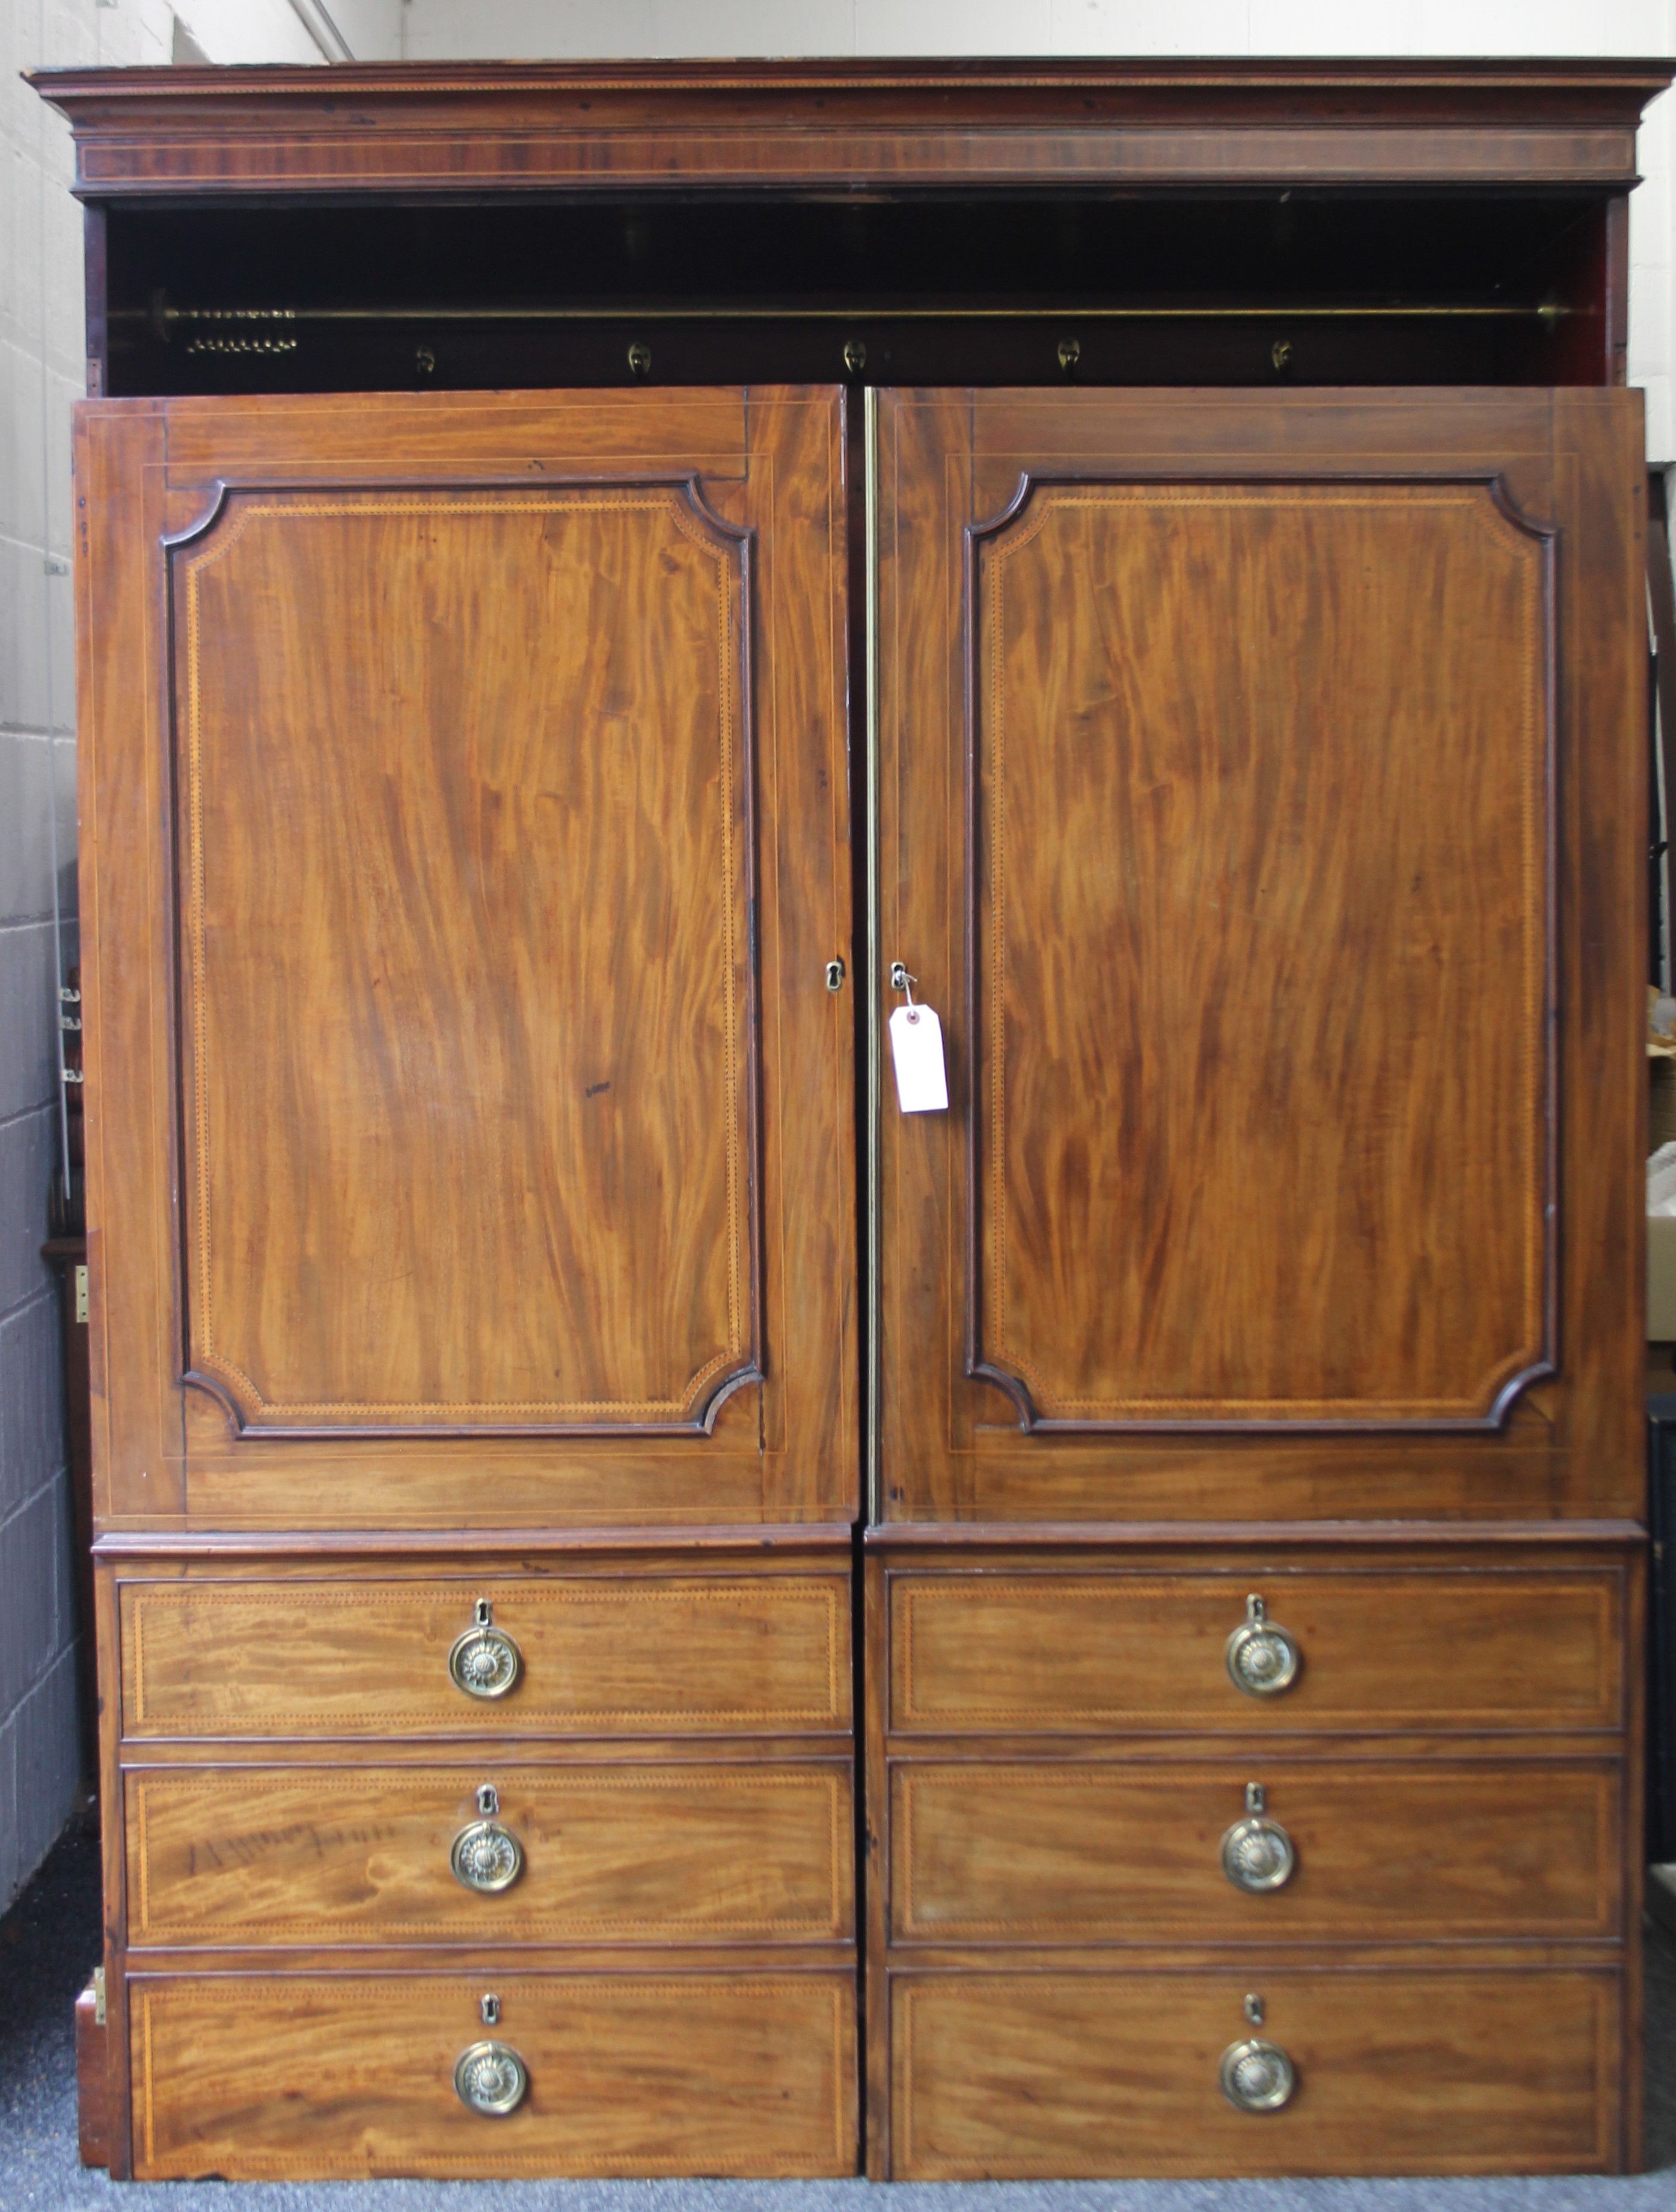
[651,1656]
[1402,1648]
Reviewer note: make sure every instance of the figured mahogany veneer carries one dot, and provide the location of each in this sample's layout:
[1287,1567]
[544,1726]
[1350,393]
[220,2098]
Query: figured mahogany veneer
[1387,1648]
[275,2077]
[1015,1851]
[1232,834]
[514,1110]
[630,1654]
[641,1855]
[593,808]
[480,789]
[819,124]
[1057,1954]
[1197,735]
[1022,2076]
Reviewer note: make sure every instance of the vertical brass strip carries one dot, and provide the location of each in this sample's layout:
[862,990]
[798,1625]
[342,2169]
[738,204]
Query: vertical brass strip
[870,439]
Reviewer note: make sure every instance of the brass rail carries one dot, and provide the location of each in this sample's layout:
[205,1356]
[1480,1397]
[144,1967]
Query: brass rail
[164,318]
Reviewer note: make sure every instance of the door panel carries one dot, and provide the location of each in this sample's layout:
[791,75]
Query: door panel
[1224,820]
[453,857]
[509,1081]
[1259,930]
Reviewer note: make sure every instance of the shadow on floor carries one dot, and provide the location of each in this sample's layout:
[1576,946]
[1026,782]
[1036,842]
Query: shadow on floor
[49,1942]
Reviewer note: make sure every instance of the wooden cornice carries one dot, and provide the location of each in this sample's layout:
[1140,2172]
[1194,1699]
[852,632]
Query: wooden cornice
[854,125]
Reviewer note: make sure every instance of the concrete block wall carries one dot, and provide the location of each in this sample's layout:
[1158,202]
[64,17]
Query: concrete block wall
[40,373]
[41,356]
[42,360]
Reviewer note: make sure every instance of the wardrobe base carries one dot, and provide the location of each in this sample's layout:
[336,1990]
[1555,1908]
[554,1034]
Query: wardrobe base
[1429,1965]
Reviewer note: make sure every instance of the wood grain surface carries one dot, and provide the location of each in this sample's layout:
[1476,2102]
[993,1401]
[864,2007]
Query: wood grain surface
[860,125]
[1003,2075]
[633,1655]
[465,955]
[1259,798]
[648,1855]
[1018,1852]
[1120,1227]
[282,2076]
[472,707]
[1260,920]
[93,2068]
[1091,1653]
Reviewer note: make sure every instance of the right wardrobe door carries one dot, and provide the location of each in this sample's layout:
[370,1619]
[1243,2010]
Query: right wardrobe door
[1260,787]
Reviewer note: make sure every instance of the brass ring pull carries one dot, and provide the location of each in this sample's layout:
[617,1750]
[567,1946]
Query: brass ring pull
[485,1662]
[1262,1658]
[486,1857]
[1257,1854]
[490,2078]
[1257,2076]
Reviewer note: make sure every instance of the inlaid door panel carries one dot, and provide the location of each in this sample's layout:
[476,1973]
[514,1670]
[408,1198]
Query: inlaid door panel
[496,754]
[1230,818]
[464,955]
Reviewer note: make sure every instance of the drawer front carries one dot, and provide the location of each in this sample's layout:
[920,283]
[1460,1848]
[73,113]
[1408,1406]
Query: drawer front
[664,1854]
[650,1655]
[1384,1651]
[286,2076]
[1030,1852]
[1082,2074]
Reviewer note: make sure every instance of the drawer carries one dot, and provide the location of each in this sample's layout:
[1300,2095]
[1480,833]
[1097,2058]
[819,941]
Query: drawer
[1022,2075]
[1375,1649]
[642,1656]
[1029,1852]
[285,2075]
[647,1854]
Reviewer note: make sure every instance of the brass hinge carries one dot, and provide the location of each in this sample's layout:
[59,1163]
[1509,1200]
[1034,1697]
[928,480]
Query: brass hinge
[98,1996]
[82,1312]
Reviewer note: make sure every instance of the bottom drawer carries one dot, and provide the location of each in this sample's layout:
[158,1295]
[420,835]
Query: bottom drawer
[293,2076]
[1078,2075]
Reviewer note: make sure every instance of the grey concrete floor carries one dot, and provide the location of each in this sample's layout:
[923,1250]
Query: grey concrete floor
[50,1940]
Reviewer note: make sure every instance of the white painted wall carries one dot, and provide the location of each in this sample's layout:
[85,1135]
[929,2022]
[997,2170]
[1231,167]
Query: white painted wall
[41,354]
[436,30]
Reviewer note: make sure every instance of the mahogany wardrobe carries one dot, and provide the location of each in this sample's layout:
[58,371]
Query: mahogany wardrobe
[656,1613]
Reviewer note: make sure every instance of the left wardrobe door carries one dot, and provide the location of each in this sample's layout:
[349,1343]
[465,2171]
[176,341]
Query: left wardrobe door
[466,918]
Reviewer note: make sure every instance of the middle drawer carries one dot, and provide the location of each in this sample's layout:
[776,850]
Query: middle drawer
[1027,1851]
[654,1854]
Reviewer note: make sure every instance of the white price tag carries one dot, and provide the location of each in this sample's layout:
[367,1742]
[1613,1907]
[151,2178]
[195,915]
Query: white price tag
[916,1047]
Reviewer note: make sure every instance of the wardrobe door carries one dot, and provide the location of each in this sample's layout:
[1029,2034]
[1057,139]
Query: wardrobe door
[1260,783]
[465,843]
